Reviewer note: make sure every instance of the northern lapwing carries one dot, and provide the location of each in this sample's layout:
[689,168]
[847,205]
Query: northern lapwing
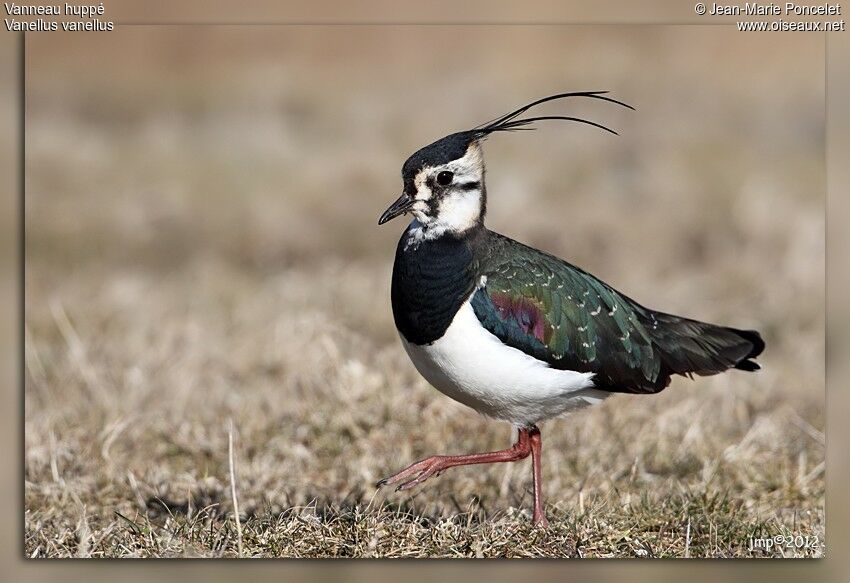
[513,332]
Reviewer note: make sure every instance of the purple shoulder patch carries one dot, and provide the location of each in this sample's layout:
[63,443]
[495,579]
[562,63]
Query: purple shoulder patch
[526,312]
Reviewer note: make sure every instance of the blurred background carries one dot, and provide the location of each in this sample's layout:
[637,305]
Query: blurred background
[202,247]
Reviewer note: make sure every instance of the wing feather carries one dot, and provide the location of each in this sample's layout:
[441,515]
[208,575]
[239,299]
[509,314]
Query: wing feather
[564,316]
[571,320]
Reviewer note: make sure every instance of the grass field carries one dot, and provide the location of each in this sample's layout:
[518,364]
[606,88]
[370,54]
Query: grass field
[202,254]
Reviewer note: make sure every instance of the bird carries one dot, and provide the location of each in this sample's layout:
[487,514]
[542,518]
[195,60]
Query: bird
[513,332]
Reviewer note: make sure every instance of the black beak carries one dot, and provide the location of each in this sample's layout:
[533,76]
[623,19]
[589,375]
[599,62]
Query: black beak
[399,207]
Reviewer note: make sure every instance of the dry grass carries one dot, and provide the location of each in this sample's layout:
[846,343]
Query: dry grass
[201,247]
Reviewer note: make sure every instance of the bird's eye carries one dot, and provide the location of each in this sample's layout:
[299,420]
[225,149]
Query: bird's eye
[445,178]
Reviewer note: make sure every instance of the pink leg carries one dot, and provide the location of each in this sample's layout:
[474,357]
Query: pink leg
[539,514]
[422,470]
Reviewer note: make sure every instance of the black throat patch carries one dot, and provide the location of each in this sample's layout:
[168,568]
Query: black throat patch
[431,281]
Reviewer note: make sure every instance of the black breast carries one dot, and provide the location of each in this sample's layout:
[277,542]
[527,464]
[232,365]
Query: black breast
[430,282]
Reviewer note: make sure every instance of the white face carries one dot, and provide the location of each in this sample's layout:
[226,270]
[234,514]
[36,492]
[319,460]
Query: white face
[450,197]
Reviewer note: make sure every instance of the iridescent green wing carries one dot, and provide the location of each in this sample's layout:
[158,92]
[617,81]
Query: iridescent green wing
[564,316]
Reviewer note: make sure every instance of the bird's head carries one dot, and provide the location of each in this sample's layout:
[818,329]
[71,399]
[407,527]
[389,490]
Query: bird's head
[443,185]
[444,182]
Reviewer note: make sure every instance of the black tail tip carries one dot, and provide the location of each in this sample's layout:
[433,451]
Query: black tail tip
[755,339]
[748,365]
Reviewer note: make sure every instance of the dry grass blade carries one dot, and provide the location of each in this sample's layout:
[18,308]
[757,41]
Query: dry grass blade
[234,500]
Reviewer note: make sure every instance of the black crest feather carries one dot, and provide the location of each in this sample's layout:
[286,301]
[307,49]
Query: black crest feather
[455,145]
[512,121]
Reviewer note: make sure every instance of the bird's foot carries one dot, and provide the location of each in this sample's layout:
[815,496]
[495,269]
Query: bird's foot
[539,520]
[416,473]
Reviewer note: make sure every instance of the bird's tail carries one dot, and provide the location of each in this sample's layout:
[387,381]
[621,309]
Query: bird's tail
[693,347]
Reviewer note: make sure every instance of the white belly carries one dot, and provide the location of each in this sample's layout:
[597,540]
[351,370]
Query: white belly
[472,366]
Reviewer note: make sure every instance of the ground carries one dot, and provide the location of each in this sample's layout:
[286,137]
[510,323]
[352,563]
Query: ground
[203,254]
